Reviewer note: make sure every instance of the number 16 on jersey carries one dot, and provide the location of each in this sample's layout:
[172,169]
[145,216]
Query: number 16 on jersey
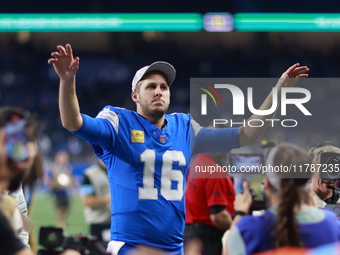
[148,191]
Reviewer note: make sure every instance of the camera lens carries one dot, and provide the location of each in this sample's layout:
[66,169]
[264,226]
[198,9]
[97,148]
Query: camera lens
[330,166]
[52,237]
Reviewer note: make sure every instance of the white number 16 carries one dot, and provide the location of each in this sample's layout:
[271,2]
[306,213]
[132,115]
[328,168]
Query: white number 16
[148,191]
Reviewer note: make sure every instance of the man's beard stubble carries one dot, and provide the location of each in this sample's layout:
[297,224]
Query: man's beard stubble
[155,113]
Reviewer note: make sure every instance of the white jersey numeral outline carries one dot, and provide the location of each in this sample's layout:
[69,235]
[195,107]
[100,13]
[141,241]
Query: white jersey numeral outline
[148,191]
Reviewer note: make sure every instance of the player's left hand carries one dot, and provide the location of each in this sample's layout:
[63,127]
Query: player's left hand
[64,63]
[292,75]
[244,200]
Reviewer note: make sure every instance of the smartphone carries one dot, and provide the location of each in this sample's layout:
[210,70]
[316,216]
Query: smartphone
[16,142]
[250,163]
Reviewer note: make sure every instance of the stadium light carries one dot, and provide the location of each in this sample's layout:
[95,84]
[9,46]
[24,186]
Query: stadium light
[218,22]
[100,22]
[287,22]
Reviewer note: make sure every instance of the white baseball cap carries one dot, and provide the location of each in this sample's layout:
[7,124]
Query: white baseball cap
[164,67]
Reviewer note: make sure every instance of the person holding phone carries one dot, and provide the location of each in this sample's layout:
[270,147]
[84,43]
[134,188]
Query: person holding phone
[290,220]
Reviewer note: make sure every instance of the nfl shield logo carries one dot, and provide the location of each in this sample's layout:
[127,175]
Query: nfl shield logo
[162,138]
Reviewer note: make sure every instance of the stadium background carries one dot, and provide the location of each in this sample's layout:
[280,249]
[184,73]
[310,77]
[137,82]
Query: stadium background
[108,62]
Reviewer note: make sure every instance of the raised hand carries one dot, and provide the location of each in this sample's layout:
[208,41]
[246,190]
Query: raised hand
[244,200]
[292,75]
[63,62]
[66,67]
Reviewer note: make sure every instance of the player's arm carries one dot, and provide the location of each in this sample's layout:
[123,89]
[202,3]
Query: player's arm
[220,217]
[234,243]
[95,131]
[66,67]
[210,140]
[249,135]
[216,193]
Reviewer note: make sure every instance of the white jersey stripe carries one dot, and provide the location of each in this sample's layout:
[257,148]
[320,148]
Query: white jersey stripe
[195,126]
[110,116]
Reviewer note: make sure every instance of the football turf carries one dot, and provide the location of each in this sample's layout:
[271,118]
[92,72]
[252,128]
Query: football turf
[44,215]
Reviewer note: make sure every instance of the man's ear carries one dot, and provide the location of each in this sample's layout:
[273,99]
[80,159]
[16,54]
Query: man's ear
[134,97]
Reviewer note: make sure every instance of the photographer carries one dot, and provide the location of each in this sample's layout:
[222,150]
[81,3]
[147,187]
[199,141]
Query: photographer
[61,169]
[95,197]
[323,194]
[290,221]
[17,153]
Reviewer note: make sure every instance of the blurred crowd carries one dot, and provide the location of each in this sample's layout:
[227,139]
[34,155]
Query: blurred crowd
[27,81]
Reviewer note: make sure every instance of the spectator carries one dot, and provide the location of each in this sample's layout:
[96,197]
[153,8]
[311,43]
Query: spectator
[17,152]
[60,182]
[209,203]
[290,221]
[19,220]
[24,204]
[95,192]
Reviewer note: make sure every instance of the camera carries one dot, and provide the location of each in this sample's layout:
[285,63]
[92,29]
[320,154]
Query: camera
[335,208]
[329,166]
[54,243]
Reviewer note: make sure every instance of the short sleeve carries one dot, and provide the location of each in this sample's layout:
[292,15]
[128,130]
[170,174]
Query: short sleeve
[100,131]
[216,192]
[235,243]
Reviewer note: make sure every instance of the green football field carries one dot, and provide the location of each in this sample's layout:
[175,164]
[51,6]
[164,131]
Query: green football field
[44,215]
[44,212]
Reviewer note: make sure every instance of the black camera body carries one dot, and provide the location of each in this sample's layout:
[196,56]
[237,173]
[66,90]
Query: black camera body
[258,205]
[54,242]
[329,166]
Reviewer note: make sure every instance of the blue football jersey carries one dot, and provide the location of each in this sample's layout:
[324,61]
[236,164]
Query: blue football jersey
[147,171]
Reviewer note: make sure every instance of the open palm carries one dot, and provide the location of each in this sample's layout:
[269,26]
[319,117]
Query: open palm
[293,74]
[63,62]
